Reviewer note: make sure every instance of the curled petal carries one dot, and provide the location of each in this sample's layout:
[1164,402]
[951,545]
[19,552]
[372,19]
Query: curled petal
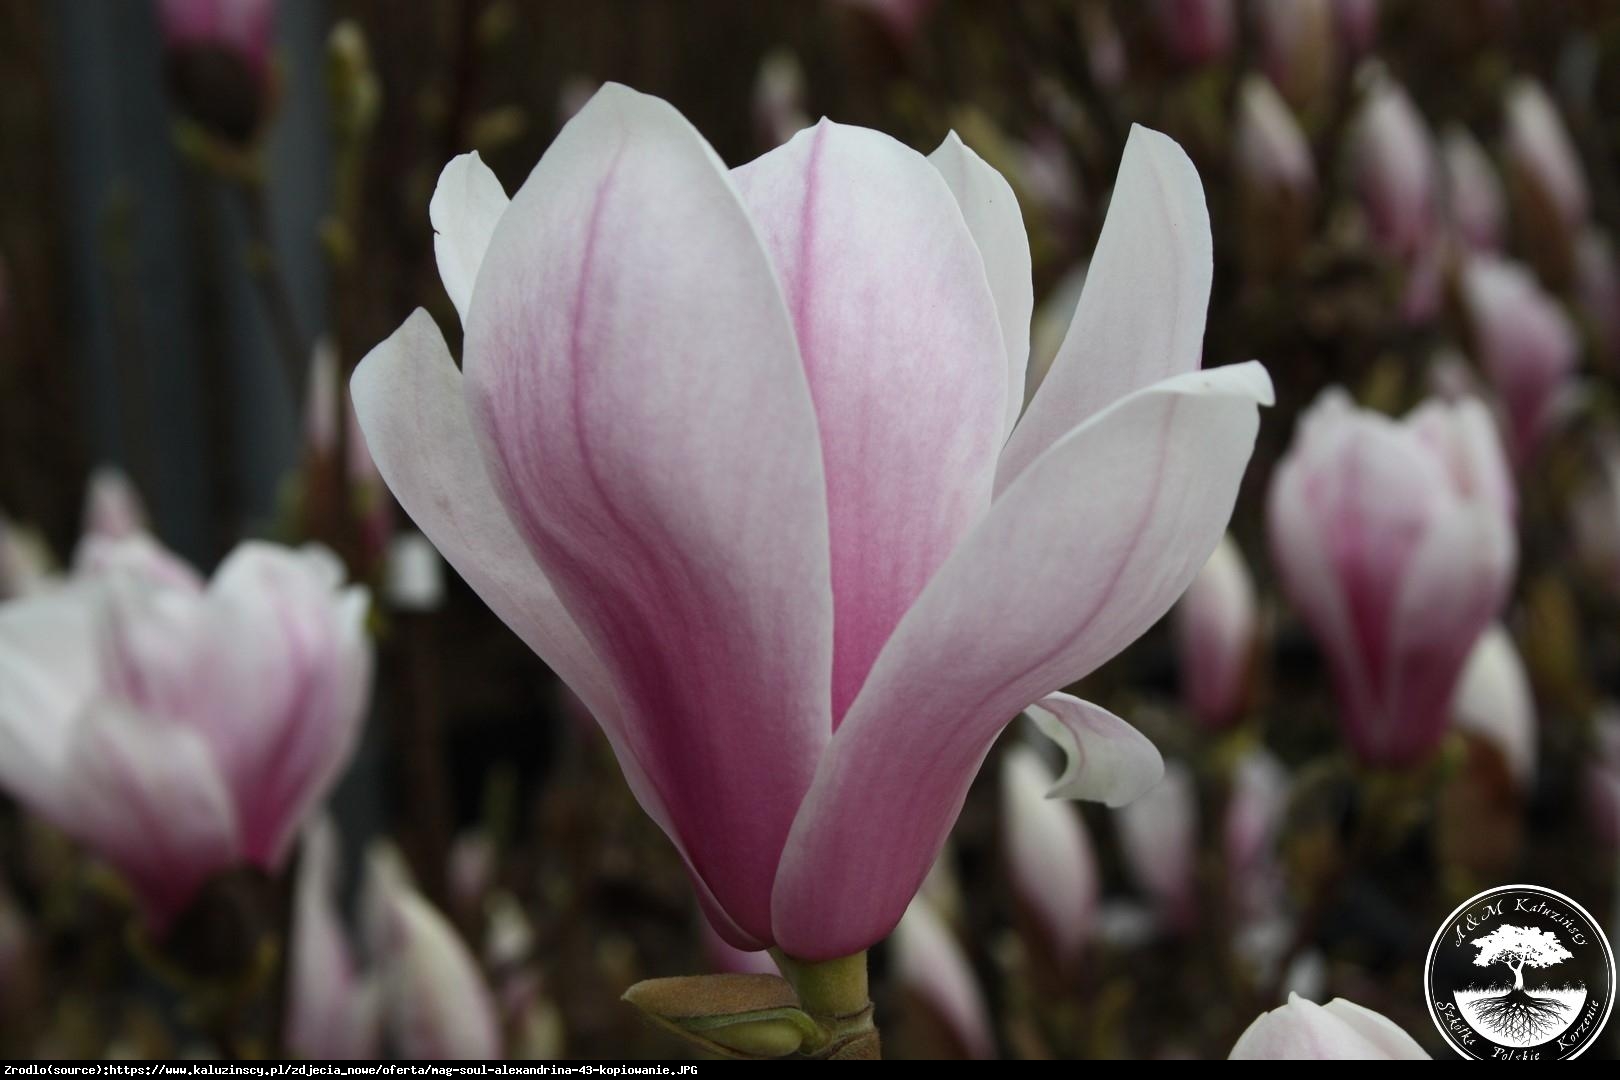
[1107,760]
[466,206]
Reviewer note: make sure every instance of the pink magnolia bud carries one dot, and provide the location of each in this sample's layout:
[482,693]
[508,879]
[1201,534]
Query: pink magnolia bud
[219,60]
[1272,157]
[930,964]
[1527,346]
[1357,24]
[1217,626]
[1542,156]
[902,19]
[1494,702]
[1602,780]
[1394,541]
[1297,44]
[180,730]
[1196,31]
[471,870]
[1392,158]
[1340,1030]
[1473,190]
[1105,48]
[1158,834]
[112,507]
[1049,855]
[1254,810]
[332,1009]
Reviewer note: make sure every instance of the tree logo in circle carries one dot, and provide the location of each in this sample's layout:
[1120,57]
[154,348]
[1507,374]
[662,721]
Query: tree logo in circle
[1520,973]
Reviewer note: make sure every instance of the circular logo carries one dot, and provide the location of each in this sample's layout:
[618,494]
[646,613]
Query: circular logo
[1520,973]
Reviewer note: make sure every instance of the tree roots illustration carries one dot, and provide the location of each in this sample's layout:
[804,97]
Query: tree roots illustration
[1521,1017]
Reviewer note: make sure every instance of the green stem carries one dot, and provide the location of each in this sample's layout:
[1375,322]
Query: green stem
[834,993]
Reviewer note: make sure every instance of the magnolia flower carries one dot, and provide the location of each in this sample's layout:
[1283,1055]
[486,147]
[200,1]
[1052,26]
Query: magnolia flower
[734,453]
[1474,193]
[1527,346]
[1049,855]
[178,729]
[1494,702]
[1394,541]
[1217,626]
[930,964]
[420,987]
[1542,156]
[1340,1030]
[1392,158]
[1158,835]
[1196,31]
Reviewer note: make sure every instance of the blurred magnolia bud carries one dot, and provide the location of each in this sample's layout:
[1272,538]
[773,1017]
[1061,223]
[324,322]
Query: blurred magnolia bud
[508,934]
[1595,516]
[1527,346]
[1049,856]
[572,95]
[1255,803]
[1196,31]
[112,507]
[1158,835]
[1597,291]
[1340,1030]
[332,1011]
[1357,25]
[1217,625]
[436,1004]
[1297,43]
[1395,543]
[1275,172]
[1392,160]
[726,959]
[1548,180]
[929,965]
[470,871]
[779,98]
[1494,702]
[321,399]
[217,58]
[415,574]
[1474,193]
[1105,49]
[902,19]
[1602,780]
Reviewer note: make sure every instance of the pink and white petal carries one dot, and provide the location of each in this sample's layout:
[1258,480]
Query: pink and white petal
[632,373]
[1380,1032]
[329,1011]
[1086,551]
[903,347]
[466,206]
[997,224]
[1108,761]
[408,394]
[1141,314]
[1452,590]
[49,672]
[930,963]
[147,796]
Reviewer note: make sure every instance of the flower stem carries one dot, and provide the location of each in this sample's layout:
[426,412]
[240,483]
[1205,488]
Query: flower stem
[834,994]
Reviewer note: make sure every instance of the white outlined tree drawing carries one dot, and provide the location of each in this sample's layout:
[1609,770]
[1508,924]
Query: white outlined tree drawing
[1517,1014]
